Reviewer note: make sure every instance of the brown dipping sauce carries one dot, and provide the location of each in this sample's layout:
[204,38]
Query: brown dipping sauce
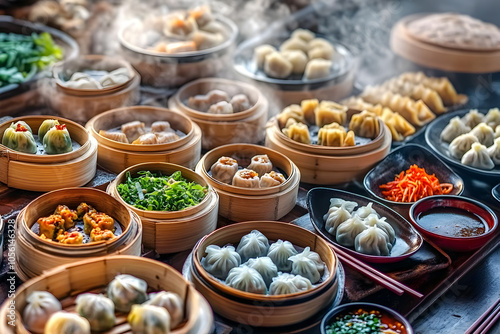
[452,222]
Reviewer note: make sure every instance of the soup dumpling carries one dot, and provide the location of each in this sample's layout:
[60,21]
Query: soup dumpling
[40,306]
[127,290]
[149,319]
[57,140]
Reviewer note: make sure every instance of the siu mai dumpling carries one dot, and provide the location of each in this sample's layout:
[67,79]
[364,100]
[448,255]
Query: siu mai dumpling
[240,102]
[69,216]
[146,139]
[221,108]
[94,219]
[160,126]
[297,131]
[224,169]
[133,130]
[199,102]
[365,124]
[308,108]
[246,178]
[271,179]
[166,137]
[116,136]
[317,69]
[261,164]
[98,234]
[328,112]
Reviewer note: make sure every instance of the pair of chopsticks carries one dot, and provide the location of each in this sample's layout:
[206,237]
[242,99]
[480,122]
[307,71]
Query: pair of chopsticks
[382,279]
[487,320]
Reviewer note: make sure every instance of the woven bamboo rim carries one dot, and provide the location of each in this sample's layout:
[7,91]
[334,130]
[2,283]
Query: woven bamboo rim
[246,151]
[67,281]
[273,231]
[329,150]
[92,62]
[76,131]
[116,117]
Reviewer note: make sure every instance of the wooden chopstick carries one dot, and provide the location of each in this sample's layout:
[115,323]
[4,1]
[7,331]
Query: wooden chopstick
[372,273]
[484,323]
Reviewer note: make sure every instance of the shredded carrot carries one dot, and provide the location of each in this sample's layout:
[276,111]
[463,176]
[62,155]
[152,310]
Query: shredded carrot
[414,184]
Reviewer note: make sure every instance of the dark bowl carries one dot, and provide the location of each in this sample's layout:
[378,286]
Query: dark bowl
[400,160]
[367,306]
[495,192]
[457,244]
[408,240]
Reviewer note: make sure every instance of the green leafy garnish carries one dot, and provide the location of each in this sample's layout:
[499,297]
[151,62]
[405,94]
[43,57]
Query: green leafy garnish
[22,56]
[156,192]
[366,323]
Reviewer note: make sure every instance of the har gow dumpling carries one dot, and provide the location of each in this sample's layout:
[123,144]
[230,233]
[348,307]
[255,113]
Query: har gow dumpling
[127,290]
[308,264]
[240,102]
[246,178]
[221,108]
[265,266]
[220,260]
[478,157]
[261,164]
[224,169]
[271,179]
[146,139]
[23,123]
[246,279]
[217,95]
[160,126]
[254,244]
[149,319]
[199,102]
[67,323]
[373,241]
[97,309]
[348,230]
[280,252]
[116,136]
[454,129]
[484,134]
[40,306]
[460,145]
[170,301]
[133,130]
[285,284]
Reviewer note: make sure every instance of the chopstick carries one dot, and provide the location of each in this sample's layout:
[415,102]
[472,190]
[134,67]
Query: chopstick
[487,320]
[372,273]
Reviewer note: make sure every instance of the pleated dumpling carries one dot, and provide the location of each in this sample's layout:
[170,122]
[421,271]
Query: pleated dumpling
[303,34]
[97,309]
[285,284]
[492,118]
[400,128]
[240,102]
[298,132]
[265,266]
[365,124]
[462,144]
[57,140]
[67,323]
[260,53]
[199,103]
[332,135]
[40,306]
[293,111]
[454,129]
[494,152]
[252,245]
[116,77]
[271,179]
[221,108]
[348,230]
[365,211]
[339,202]
[328,112]
[116,136]
[472,118]
[478,157]
[133,130]
[317,68]
[126,290]
[280,252]
[277,66]
[308,107]
[149,319]
[375,220]
[247,279]
[219,260]
[484,134]
[224,169]
[297,58]
[261,164]
[246,178]
[308,264]
[373,241]
[45,127]
[19,139]
[336,216]
[161,126]
[170,301]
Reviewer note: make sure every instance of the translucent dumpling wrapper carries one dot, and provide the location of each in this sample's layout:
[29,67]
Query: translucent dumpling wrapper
[240,102]
[117,77]
[116,136]
[160,126]
[246,178]
[220,260]
[478,157]
[317,68]
[166,137]
[308,264]
[375,220]
[271,179]
[23,123]
[280,252]
[40,306]
[285,284]
[497,131]
[67,323]
[19,139]
[57,140]
[133,130]
[224,169]
[293,111]
[365,124]
[261,164]
[265,266]
[277,66]
[472,118]
[217,95]
[335,217]
[460,145]
[494,152]
[373,241]
[146,139]
[454,129]
[221,108]
[365,211]
[89,83]
[246,279]
[347,231]
[170,301]
[484,134]
[492,118]
[97,309]
[199,102]
[338,202]
[149,319]
[252,245]
[127,290]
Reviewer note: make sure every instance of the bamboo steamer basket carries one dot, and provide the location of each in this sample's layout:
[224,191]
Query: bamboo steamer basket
[67,281]
[239,204]
[34,255]
[83,104]
[247,126]
[49,172]
[439,57]
[116,156]
[265,310]
[172,231]
[326,169]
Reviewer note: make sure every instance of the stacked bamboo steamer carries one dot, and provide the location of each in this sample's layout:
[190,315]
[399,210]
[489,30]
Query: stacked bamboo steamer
[330,165]
[67,281]
[73,169]
[83,104]
[34,255]
[247,126]
[116,156]
[270,310]
[172,231]
[240,204]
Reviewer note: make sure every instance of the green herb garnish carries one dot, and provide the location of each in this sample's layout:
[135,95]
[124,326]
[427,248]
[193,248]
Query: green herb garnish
[156,192]
[366,323]
[22,56]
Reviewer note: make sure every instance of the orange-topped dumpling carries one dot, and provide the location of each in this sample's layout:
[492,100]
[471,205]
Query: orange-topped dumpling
[224,169]
[246,178]
[92,220]
[51,226]
[83,208]
[70,238]
[98,234]
[69,216]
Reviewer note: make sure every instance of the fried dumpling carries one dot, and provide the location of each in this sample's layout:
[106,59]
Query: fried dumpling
[478,157]
[297,131]
[224,169]
[454,129]
[293,111]
[70,238]
[462,144]
[246,178]
[365,124]
[484,134]
[328,112]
